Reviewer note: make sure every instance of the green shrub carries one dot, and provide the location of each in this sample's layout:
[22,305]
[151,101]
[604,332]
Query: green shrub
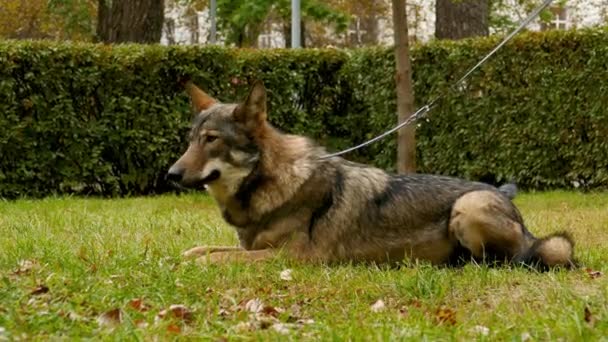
[536,113]
[94,119]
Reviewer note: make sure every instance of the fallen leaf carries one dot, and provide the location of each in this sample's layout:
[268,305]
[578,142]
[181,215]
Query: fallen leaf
[593,274]
[141,324]
[378,306]
[110,318]
[172,328]
[589,316]
[223,313]
[244,327]
[139,305]
[286,275]
[296,310]
[75,317]
[480,329]
[271,310]
[24,267]
[254,305]
[525,336]
[281,328]
[38,290]
[446,315]
[176,311]
[264,321]
[415,303]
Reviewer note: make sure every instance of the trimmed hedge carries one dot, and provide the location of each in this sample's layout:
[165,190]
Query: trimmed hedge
[536,113]
[94,119]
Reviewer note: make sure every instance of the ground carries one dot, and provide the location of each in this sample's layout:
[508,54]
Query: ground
[81,268]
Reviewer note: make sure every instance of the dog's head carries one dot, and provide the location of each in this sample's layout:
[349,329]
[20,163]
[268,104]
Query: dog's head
[223,148]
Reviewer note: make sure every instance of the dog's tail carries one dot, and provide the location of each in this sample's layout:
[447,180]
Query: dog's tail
[555,250]
[509,190]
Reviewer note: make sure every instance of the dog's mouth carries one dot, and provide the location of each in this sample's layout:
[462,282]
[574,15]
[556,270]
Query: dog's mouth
[198,184]
[213,175]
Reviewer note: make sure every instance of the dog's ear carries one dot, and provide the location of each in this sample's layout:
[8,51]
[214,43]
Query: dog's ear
[252,111]
[200,99]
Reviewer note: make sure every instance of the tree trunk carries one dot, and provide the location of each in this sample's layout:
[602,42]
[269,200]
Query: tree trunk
[302,34]
[406,146]
[457,19]
[137,21]
[194,28]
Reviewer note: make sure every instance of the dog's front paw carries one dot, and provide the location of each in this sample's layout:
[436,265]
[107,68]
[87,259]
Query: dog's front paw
[217,258]
[200,251]
[235,256]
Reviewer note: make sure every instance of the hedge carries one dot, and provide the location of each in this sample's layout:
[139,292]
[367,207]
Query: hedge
[109,120]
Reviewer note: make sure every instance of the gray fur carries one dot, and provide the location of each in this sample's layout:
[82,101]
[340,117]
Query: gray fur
[278,192]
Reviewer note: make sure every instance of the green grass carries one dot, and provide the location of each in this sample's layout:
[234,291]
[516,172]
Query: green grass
[97,255]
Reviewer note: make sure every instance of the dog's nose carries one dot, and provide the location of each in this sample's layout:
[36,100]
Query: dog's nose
[175,174]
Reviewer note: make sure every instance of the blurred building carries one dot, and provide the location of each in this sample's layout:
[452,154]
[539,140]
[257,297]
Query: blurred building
[183,26]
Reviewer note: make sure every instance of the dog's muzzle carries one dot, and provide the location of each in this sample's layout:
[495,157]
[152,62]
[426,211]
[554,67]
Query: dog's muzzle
[175,176]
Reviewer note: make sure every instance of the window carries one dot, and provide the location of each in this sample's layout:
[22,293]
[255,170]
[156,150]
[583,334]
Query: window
[559,20]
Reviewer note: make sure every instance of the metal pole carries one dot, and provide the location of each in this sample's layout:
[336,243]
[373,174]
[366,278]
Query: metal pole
[212,18]
[295,24]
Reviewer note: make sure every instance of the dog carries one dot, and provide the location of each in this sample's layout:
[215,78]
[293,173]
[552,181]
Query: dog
[280,195]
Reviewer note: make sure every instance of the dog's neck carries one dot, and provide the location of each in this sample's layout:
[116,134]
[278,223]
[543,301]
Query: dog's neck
[285,164]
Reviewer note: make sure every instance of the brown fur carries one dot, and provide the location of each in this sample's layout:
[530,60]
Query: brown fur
[279,194]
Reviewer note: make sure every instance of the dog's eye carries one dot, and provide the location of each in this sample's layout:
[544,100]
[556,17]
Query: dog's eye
[210,138]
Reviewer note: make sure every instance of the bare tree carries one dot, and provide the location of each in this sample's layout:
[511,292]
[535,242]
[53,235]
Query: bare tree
[139,21]
[406,146]
[457,19]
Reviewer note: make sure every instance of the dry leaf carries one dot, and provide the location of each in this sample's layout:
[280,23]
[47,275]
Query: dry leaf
[74,316]
[110,318]
[172,328]
[140,323]
[40,289]
[589,316]
[24,267]
[244,327]
[525,336]
[223,313]
[271,311]
[378,306]
[415,303]
[282,328]
[480,329]
[305,321]
[445,315]
[175,311]
[296,310]
[264,322]
[254,305]
[286,275]
[593,274]
[139,305]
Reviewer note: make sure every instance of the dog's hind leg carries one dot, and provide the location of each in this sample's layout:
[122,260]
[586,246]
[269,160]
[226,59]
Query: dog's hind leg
[489,226]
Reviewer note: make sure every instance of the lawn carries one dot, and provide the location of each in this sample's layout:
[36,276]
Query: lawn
[74,268]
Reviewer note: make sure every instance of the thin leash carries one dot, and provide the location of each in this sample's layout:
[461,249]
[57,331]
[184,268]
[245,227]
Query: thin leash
[426,108]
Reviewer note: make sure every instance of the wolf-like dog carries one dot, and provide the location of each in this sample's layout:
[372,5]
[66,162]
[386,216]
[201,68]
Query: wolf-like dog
[280,195]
